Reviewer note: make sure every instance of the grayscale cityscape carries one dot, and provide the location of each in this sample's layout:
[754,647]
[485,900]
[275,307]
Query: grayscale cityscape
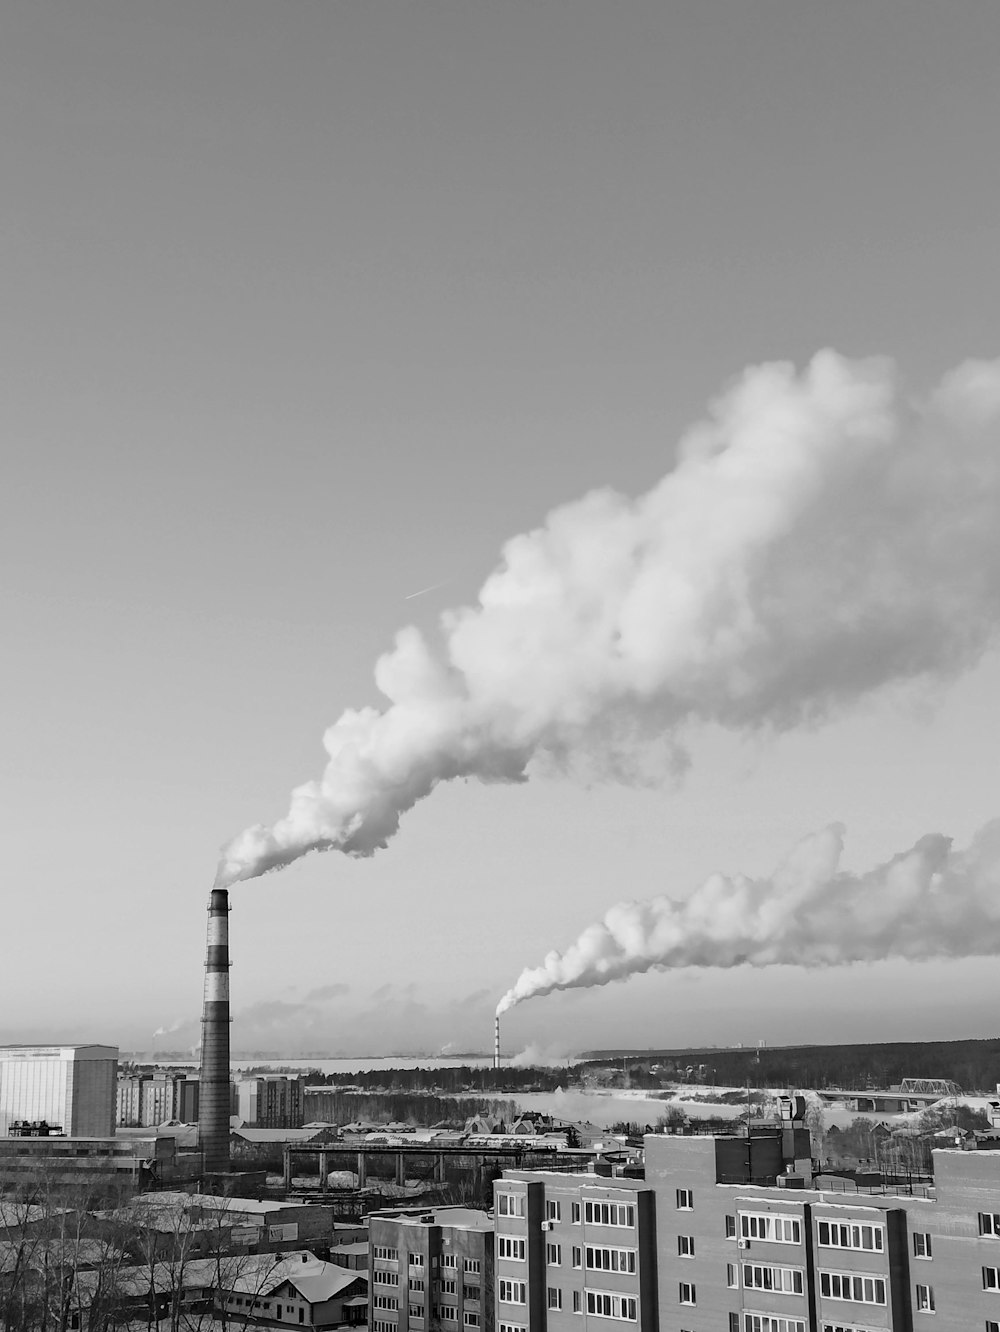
[501,536]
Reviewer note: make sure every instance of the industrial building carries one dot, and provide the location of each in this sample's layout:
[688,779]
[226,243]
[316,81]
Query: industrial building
[431,1269]
[72,1087]
[88,1162]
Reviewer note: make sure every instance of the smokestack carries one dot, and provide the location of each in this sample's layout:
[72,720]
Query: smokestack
[213,1115]
[496,1043]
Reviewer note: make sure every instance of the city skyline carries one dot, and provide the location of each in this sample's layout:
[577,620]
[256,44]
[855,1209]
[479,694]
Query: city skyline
[307,315]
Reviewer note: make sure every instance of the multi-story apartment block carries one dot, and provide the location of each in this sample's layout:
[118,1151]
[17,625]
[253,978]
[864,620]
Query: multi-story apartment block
[270,1101]
[730,1234]
[758,1256]
[571,1247]
[431,1271]
[129,1099]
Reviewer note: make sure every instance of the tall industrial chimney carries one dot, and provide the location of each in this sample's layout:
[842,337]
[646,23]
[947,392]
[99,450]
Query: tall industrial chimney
[213,1115]
[496,1043]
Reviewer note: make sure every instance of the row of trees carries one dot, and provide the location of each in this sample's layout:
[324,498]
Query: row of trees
[972,1064]
[462,1078]
[94,1256]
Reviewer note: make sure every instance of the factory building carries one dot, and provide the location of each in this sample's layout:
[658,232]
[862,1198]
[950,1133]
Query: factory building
[69,1086]
[431,1270]
[85,1161]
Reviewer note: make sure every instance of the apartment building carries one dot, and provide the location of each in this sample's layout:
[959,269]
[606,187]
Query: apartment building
[431,1271]
[730,1234]
[779,1257]
[271,1100]
[571,1247]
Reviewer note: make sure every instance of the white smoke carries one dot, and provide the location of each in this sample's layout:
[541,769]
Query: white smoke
[169,1031]
[819,536]
[928,902]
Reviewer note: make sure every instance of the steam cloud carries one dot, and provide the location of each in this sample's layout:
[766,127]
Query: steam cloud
[928,902]
[817,537]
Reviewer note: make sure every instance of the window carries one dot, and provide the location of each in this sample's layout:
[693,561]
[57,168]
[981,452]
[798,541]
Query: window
[609,1214]
[771,1226]
[473,1265]
[788,1280]
[511,1292]
[575,1213]
[732,1277]
[606,1304]
[734,1322]
[383,1278]
[686,1293]
[774,1323]
[416,1310]
[610,1260]
[685,1199]
[992,1325]
[576,1254]
[925,1299]
[921,1244]
[510,1246]
[511,1327]
[685,1246]
[989,1224]
[510,1204]
[380,1325]
[449,1312]
[730,1227]
[851,1286]
[449,1260]
[577,1302]
[380,1251]
[448,1287]
[991,1278]
[384,1302]
[471,1318]
[416,1285]
[553,1209]
[416,1260]
[553,1254]
[837,1235]
[553,1297]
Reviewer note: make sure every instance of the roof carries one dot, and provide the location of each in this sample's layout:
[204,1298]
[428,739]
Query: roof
[463,1218]
[275,1134]
[67,1051]
[314,1279]
[250,1274]
[75,1253]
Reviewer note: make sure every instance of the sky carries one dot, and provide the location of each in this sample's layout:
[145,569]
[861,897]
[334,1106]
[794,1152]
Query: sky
[310,307]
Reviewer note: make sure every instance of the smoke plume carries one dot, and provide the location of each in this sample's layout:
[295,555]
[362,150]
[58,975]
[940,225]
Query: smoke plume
[928,902]
[817,537]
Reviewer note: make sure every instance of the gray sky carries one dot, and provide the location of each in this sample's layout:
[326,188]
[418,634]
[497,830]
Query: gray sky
[309,306]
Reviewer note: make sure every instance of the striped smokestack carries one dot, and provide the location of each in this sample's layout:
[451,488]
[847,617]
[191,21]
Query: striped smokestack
[213,1116]
[496,1044]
